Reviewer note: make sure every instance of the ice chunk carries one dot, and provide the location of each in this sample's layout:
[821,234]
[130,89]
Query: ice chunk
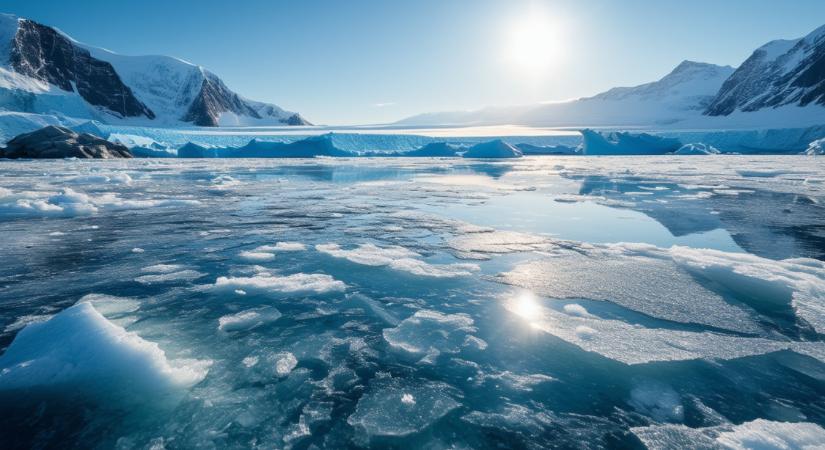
[816,147]
[285,363]
[426,334]
[400,407]
[574,309]
[763,282]
[162,268]
[68,203]
[518,382]
[762,433]
[397,258]
[697,149]
[71,203]
[283,247]
[81,349]
[268,283]
[757,434]
[256,256]
[249,319]
[493,149]
[658,401]
[622,143]
[167,277]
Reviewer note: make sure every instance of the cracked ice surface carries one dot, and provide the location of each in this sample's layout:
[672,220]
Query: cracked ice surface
[427,303]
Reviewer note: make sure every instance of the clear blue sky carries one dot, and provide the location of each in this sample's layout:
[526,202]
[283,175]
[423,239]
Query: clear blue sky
[365,61]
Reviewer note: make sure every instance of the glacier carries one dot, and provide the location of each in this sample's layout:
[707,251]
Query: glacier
[417,302]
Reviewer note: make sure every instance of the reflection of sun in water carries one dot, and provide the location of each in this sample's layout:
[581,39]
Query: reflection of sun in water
[526,306]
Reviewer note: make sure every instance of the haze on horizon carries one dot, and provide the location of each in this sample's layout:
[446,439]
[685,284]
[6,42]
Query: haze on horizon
[372,62]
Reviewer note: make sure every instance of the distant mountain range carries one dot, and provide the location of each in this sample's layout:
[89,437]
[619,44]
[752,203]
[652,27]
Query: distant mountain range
[781,84]
[44,71]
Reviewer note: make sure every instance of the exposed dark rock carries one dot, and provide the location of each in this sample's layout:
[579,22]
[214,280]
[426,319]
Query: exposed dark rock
[213,99]
[41,52]
[296,120]
[59,142]
[776,74]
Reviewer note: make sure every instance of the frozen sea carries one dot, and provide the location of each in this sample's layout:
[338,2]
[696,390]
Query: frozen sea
[548,302]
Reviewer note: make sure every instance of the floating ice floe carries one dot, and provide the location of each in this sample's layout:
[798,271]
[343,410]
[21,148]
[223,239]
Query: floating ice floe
[656,287]
[111,178]
[397,258]
[678,285]
[427,334]
[81,349]
[168,273]
[249,319]
[756,434]
[283,247]
[71,203]
[798,283]
[287,284]
[635,344]
[256,256]
[401,407]
[516,382]
[478,245]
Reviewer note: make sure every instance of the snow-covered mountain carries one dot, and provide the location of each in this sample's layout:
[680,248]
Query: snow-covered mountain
[684,92]
[44,71]
[781,85]
[782,72]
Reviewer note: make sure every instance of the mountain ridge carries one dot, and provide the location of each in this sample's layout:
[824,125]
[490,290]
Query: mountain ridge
[155,89]
[782,84]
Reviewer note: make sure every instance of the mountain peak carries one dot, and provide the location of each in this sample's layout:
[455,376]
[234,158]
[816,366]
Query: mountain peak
[86,82]
[779,73]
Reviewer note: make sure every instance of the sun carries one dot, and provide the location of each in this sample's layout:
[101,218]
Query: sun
[534,43]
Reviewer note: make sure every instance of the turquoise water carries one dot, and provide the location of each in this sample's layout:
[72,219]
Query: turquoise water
[409,304]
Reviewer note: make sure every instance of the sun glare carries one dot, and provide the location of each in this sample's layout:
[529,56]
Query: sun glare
[526,306]
[533,44]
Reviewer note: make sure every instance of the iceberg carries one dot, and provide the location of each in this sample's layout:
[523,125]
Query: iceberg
[305,148]
[624,143]
[193,150]
[493,149]
[82,349]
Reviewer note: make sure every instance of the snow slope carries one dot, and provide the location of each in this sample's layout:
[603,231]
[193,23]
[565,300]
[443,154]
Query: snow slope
[682,93]
[45,71]
[782,85]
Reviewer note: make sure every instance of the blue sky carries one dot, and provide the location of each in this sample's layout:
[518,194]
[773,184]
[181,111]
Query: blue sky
[365,61]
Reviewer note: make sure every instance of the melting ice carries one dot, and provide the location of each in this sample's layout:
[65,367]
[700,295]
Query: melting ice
[422,303]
